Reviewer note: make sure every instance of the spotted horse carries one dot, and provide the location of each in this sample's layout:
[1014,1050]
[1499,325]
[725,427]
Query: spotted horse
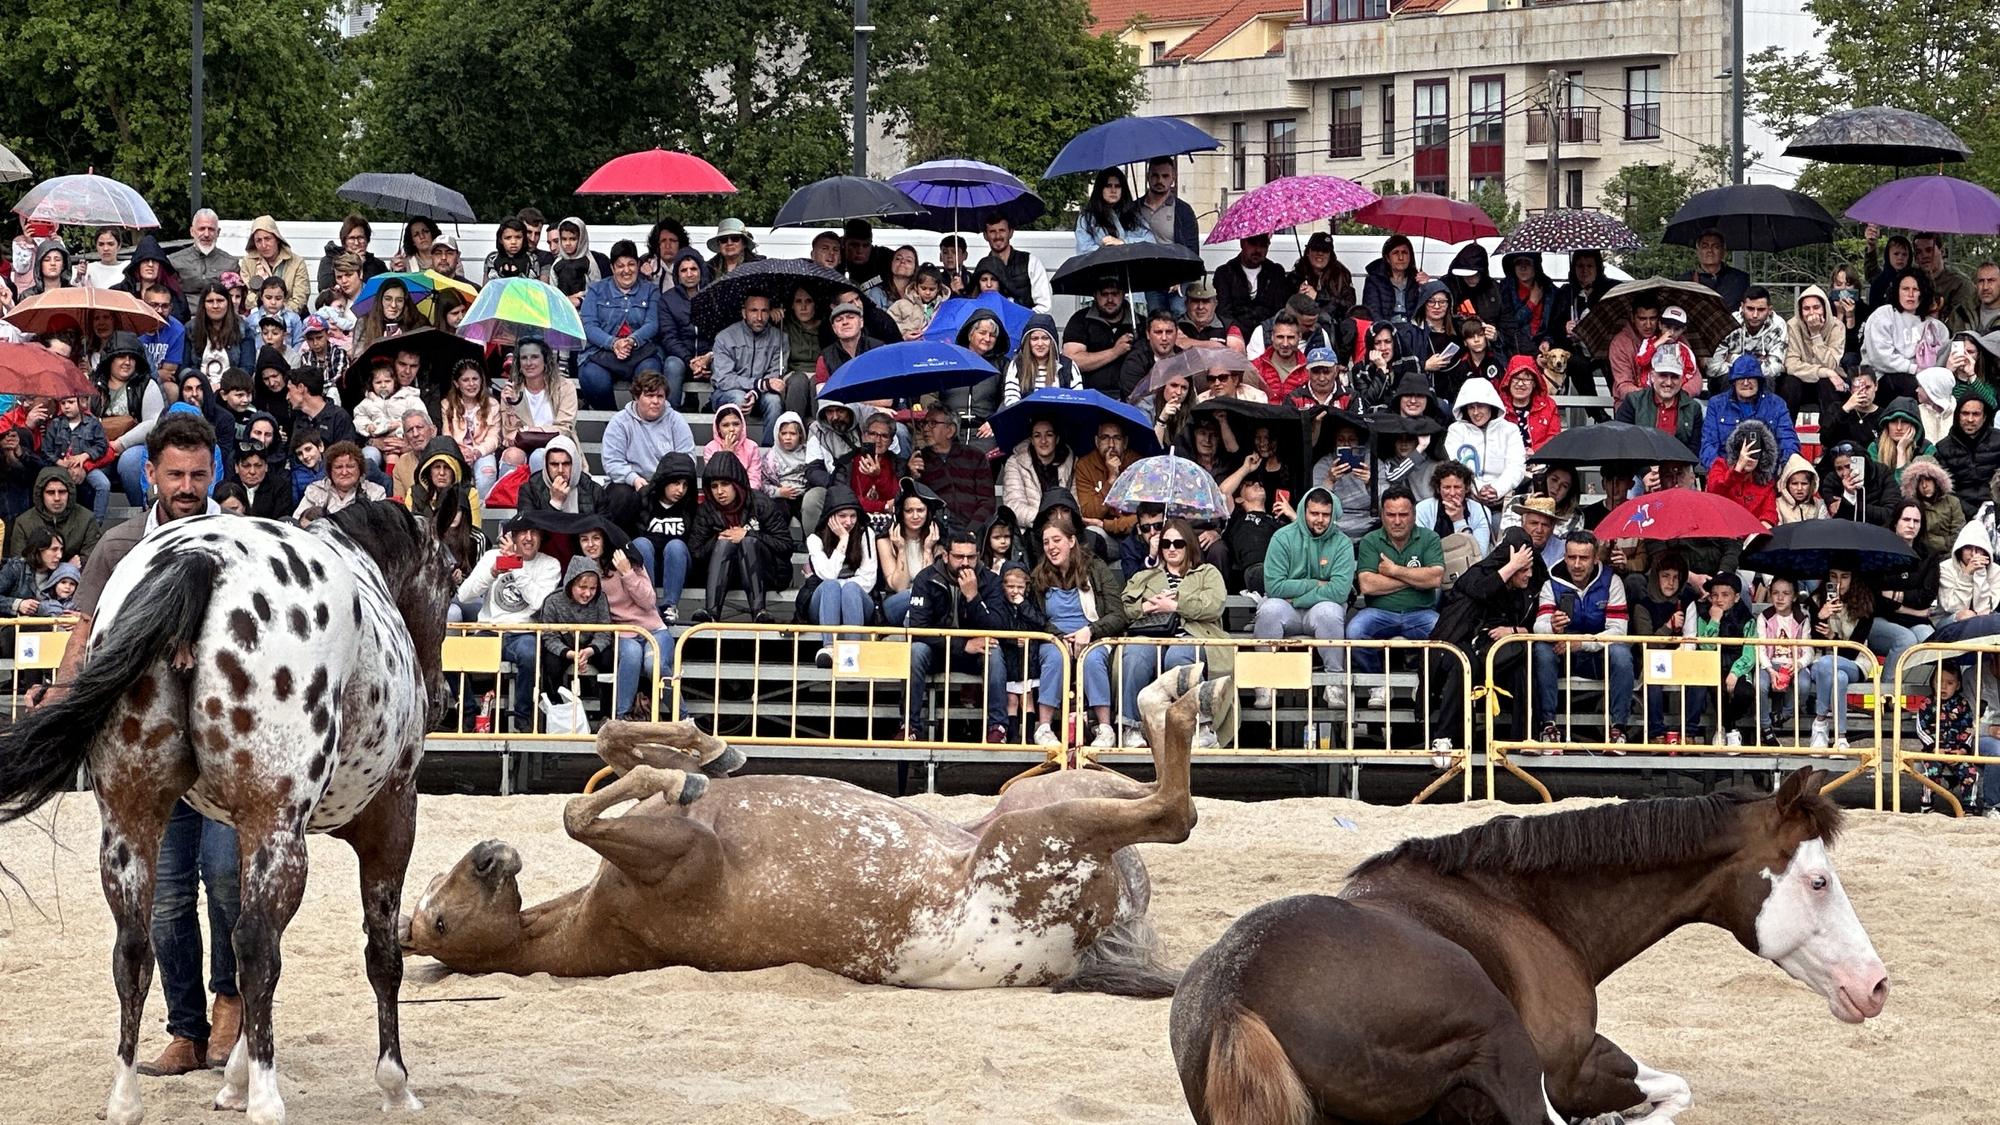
[732,873]
[281,680]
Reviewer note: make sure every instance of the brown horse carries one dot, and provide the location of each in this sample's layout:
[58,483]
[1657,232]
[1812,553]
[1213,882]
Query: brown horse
[726,873]
[1455,979]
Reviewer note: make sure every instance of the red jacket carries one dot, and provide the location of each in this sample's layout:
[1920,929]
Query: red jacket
[1760,500]
[1544,418]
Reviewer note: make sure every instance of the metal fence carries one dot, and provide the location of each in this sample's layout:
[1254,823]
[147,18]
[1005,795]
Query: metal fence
[1937,728]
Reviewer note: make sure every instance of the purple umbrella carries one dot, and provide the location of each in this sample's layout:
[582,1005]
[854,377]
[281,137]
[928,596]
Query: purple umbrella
[1290,202]
[946,188]
[1940,203]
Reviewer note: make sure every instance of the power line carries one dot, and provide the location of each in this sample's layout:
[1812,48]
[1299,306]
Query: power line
[1773,169]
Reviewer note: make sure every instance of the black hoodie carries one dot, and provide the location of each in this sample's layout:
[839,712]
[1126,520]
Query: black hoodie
[148,250]
[664,521]
[1481,600]
[766,518]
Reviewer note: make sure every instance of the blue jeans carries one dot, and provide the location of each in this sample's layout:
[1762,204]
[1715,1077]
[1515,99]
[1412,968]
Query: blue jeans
[195,848]
[1585,665]
[676,371]
[1978,626]
[99,487]
[1140,665]
[636,660]
[520,650]
[1989,776]
[595,380]
[132,475]
[1096,677]
[1381,624]
[1887,640]
[1830,677]
[767,407]
[896,607]
[839,601]
[927,656]
[1694,705]
[668,564]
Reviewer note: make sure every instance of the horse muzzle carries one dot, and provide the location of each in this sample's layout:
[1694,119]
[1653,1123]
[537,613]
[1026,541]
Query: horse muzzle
[1859,996]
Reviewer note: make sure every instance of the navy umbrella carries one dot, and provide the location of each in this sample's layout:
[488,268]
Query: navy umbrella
[954,193]
[1076,414]
[837,199]
[1128,140]
[1809,548]
[1761,217]
[907,370]
[1142,267]
[401,193]
[721,304]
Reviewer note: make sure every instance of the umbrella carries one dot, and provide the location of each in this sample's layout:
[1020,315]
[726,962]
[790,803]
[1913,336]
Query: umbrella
[91,201]
[905,370]
[721,304]
[945,188]
[1423,215]
[1141,266]
[1183,487]
[416,285]
[1289,202]
[1128,140]
[1708,321]
[1679,513]
[1194,365]
[11,168]
[1287,425]
[1940,203]
[45,312]
[1877,134]
[1561,231]
[1611,443]
[515,308]
[440,283]
[31,370]
[1809,548]
[656,172]
[440,351]
[401,193]
[952,315]
[840,198]
[1076,415]
[1761,217]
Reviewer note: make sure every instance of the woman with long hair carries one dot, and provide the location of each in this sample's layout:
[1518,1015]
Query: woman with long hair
[1910,604]
[1319,275]
[1891,338]
[1176,596]
[1846,613]
[537,407]
[1112,215]
[215,340]
[391,314]
[895,285]
[129,401]
[1083,599]
[911,544]
[1390,293]
[1171,405]
[1042,462]
[471,417]
[418,235]
[1040,362]
[630,594]
[840,553]
[107,271]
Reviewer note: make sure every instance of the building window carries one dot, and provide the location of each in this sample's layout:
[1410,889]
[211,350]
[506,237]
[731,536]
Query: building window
[1486,146]
[1345,11]
[1388,119]
[1573,189]
[1159,49]
[1280,149]
[1238,141]
[1345,139]
[1642,103]
[1432,136]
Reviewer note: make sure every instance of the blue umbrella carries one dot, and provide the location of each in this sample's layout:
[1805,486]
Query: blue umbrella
[1128,140]
[952,315]
[1076,414]
[956,192]
[906,370]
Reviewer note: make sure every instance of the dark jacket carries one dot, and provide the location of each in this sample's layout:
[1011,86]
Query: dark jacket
[1379,295]
[1478,295]
[1879,494]
[936,602]
[963,479]
[370,265]
[1233,303]
[560,608]
[1971,461]
[766,518]
[78,530]
[1481,600]
[978,402]
[1574,302]
[1518,330]
[148,250]
[274,499]
[1638,408]
[663,521]
[678,335]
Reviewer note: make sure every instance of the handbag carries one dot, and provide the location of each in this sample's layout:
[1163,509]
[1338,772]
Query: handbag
[564,714]
[527,441]
[1155,625]
[1461,551]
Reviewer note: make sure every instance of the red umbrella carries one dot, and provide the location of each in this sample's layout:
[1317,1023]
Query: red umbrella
[30,370]
[1423,215]
[656,172]
[1680,513]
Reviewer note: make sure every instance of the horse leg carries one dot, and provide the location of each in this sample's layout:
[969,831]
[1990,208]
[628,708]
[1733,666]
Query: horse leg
[648,846]
[669,746]
[135,818]
[1609,1081]
[381,836]
[274,880]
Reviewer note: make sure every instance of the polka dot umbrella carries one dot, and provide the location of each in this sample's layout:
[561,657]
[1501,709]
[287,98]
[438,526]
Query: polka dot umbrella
[1561,231]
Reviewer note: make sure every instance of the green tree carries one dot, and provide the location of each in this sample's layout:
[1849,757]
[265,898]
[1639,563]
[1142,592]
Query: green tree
[105,87]
[1644,197]
[1492,199]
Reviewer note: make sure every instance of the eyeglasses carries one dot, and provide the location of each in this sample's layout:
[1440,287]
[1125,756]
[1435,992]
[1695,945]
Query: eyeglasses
[1172,544]
[1150,528]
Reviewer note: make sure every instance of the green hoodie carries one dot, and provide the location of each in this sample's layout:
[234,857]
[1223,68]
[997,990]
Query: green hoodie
[1306,569]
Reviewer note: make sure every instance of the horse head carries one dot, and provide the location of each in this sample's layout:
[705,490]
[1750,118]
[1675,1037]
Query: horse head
[1783,900]
[469,917]
[416,568]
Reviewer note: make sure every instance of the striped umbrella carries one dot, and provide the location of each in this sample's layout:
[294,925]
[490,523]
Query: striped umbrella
[1289,202]
[516,308]
[91,201]
[1561,231]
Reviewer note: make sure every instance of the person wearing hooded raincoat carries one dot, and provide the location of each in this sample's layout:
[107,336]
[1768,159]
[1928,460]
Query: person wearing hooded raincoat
[1798,492]
[1732,405]
[1538,417]
[128,400]
[739,446]
[666,516]
[562,486]
[1899,441]
[1492,448]
[71,521]
[1473,290]
[280,261]
[975,404]
[1968,588]
[742,535]
[148,250]
[1815,343]
[1928,486]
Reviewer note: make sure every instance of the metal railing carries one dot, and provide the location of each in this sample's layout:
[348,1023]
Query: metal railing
[1927,659]
[481,670]
[1680,667]
[1576,125]
[37,645]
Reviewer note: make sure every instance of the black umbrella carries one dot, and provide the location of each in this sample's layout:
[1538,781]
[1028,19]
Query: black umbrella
[440,350]
[401,193]
[1611,443]
[840,198]
[1288,431]
[1708,321]
[721,304]
[1809,548]
[1139,266]
[1877,134]
[1761,217]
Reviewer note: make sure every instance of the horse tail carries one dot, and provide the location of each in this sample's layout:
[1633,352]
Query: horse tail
[1250,1080]
[42,750]
[1123,962]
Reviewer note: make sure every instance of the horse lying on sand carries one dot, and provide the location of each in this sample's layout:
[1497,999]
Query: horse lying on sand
[1455,978]
[726,874]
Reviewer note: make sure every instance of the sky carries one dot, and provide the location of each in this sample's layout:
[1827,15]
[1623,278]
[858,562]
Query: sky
[1783,24]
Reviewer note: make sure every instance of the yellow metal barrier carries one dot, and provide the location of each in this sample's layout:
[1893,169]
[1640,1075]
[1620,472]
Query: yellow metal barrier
[778,694]
[1910,761]
[476,653]
[1291,666]
[39,644]
[1664,662]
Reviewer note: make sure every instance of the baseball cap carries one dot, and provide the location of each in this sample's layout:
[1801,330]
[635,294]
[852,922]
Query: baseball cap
[1322,357]
[444,240]
[1465,273]
[1674,313]
[315,324]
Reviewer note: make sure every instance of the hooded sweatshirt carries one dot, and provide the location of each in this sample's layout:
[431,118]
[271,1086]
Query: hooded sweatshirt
[585,495]
[1963,586]
[826,556]
[745,451]
[679,336]
[289,268]
[827,443]
[632,446]
[78,531]
[1940,399]
[1306,569]
[573,273]
[1943,514]
[1811,356]
[764,517]
[1883,448]
[562,608]
[1788,510]
[1020,380]
[1494,452]
[148,250]
[42,284]
[1476,294]
[787,467]
[53,605]
[663,520]
[1756,490]
[422,497]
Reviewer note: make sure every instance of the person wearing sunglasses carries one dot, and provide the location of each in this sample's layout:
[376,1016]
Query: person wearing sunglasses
[1177,597]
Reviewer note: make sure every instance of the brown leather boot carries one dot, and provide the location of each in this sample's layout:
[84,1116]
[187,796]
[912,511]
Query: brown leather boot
[225,1023]
[182,1056]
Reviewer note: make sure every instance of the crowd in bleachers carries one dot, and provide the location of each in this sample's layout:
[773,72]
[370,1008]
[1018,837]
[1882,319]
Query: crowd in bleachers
[1375,445]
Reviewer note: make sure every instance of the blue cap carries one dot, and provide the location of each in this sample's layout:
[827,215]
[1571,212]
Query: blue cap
[1746,367]
[1322,357]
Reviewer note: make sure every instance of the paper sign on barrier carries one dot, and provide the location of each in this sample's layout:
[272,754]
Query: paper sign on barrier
[40,650]
[872,660]
[1671,667]
[1287,671]
[472,654]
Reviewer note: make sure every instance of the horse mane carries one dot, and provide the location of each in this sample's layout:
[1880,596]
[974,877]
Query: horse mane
[1631,835]
[386,532]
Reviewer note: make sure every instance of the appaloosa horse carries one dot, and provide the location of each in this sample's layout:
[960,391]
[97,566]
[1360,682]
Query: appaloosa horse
[1455,978]
[751,872]
[280,680]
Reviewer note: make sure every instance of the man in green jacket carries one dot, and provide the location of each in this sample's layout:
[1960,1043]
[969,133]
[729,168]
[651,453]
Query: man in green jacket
[1308,574]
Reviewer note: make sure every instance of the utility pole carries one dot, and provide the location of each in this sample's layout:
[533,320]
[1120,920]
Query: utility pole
[861,29]
[1555,87]
[194,149]
[1736,92]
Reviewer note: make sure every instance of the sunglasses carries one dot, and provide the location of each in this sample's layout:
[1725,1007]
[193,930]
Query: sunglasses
[1149,528]
[1174,544]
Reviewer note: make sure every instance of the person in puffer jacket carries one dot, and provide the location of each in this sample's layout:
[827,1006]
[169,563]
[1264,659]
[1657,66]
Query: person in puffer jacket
[1747,471]
[1928,486]
[1798,492]
[1968,588]
[1484,441]
[1748,396]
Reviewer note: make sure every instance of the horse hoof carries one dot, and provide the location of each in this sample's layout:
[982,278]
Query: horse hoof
[234,1101]
[407,1103]
[729,761]
[692,787]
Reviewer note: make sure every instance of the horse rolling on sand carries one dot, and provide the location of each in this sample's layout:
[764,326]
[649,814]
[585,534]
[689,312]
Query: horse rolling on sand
[280,680]
[733,873]
[1455,978]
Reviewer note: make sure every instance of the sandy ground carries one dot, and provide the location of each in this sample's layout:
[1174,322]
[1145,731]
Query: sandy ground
[791,1044]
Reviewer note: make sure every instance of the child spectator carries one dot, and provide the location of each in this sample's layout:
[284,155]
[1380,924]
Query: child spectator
[667,513]
[1799,498]
[271,303]
[572,656]
[732,436]
[913,312]
[73,439]
[307,465]
[786,462]
[378,417]
[271,334]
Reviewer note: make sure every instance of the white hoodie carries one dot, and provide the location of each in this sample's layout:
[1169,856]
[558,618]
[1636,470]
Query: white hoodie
[1960,587]
[1495,453]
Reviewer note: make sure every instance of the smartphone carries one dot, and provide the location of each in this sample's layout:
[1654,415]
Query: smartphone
[1450,352]
[1284,496]
[1350,455]
[1567,603]
[507,562]
[1844,294]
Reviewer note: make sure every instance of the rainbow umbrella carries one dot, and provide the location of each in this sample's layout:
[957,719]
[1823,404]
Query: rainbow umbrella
[516,308]
[415,284]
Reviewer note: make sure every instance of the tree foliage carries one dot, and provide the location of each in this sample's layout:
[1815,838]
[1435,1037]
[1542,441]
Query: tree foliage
[1644,197]
[106,87]
[1492,199]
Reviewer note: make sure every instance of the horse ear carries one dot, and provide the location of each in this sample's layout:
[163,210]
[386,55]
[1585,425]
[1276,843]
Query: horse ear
[1804,782]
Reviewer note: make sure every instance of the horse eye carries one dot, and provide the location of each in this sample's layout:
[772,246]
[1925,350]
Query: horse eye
[1819,882]
[438,925]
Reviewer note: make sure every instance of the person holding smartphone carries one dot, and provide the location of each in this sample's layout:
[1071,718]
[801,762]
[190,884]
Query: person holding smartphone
[510,582]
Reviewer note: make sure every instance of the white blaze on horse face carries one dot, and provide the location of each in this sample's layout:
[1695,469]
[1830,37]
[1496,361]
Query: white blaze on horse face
[1808,928]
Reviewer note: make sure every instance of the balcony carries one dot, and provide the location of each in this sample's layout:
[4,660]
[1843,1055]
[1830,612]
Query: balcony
[1575,125]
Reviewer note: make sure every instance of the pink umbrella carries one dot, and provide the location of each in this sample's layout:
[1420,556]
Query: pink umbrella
[1423,215]
[656,172]
[1290,202]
